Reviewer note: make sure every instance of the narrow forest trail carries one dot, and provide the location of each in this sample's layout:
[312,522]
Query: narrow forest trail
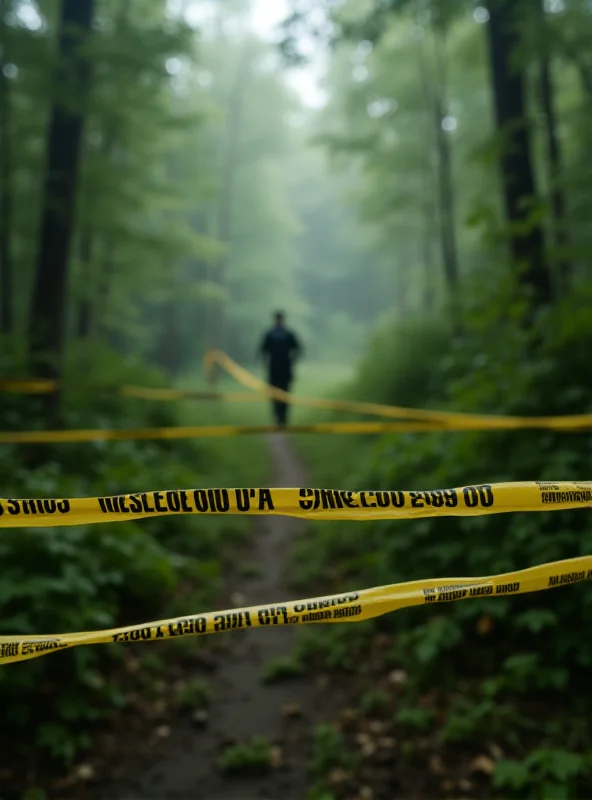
[242,705]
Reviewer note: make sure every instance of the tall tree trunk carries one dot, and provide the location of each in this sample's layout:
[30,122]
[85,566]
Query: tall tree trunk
[526,237]
[224,226]
[47,320]
[84,321]
[6,315]
[558,205]
[571,53]
[445,177]
[105,286]
[170,356]
[428,191]
[87,321]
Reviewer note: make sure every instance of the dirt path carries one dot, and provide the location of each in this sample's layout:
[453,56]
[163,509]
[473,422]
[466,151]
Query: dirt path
[242,706]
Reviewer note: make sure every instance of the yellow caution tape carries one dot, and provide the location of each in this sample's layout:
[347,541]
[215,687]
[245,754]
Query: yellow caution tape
[335,504]
[29,386]
[420,419]
[140,392]
[218,431]
[206,432]
[145,393]
[348,607]
[446,420]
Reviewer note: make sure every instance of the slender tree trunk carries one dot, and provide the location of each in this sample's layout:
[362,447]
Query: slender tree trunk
[584,70]
[105,286]
[516,171]
[445,177]
[429,293]
[6,315]
[170,345]
[224,224]
[88,322]
[84,322]
[558,204]
[48,307]
[430,209]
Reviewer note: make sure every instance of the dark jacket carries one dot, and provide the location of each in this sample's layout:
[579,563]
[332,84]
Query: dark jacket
[280,346]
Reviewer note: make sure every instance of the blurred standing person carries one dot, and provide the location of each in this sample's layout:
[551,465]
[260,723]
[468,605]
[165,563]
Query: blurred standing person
[280,348]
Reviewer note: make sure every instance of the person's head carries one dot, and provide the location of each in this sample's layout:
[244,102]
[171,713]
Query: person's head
[278,317]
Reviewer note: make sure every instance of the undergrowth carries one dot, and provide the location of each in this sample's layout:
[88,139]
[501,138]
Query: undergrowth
[501,666]
[85,577]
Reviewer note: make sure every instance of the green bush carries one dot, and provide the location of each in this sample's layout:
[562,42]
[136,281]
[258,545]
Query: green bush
[398,365]
[536,643]
[78,578]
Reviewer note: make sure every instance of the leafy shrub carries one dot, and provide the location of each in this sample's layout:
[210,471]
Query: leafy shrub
[533,643]
[77,578]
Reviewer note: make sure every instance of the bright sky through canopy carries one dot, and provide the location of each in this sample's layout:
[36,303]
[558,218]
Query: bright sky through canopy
[266,15]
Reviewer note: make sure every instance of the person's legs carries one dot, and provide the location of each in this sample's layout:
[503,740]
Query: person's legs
[280,408]
[277,411]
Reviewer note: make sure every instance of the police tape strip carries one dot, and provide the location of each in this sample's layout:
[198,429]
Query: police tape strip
[259,390]
[446,420]
[210,431]
[228,431]
[324,504]
[128,390]
[145,393]
[348,607]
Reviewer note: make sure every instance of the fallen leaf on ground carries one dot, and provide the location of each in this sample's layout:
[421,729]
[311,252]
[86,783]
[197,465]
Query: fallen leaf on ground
[338,776]
[484,764]
[275,756]
[388,742]
[85,772]
[398,677]
[158,708]
[132,665]
[496,751]
[436,765]
[349,715]
[376,726]
[163,731]
[368,749]
[485,625]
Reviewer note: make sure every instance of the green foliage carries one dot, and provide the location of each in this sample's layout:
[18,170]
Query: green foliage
[283,668]
[546,773]
[196,693]
[251,757]
[338,646]
[250,569]
[531,646]
[329,750]
[373,700]
[398,365]
[419,718]
[79,578]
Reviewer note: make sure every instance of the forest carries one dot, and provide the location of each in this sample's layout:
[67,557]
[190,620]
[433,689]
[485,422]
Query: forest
[165,187]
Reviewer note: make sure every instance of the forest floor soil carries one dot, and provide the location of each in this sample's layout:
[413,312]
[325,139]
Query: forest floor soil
[155,748]
[184,764]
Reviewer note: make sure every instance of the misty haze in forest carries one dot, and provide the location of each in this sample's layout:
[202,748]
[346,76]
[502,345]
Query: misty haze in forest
[409,181]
